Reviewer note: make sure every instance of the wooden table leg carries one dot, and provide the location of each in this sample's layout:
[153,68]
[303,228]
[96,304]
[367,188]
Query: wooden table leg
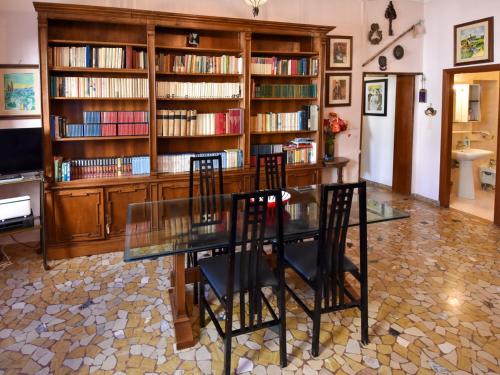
[182,323]
[340,172]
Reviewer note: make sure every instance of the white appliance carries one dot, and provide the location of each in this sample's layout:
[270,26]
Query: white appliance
[17,207]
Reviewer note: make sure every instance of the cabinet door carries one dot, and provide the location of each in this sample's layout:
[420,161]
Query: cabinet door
[461,103]
[234,184]
[175,189]
[117,200]
[301,177]
[78,215]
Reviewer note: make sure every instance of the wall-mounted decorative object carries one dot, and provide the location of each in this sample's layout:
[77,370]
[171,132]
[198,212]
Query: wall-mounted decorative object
[391,15]
[255,4]
[338,89]
[382,63]
[339,52]
[193,39]
[375,34]
[430,111]
[375,98]
[398,52]
[422,94]
[19,91]
[474,42]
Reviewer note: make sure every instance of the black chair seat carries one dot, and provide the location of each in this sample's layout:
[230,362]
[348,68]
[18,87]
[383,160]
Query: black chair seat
[215,271]
[302,257]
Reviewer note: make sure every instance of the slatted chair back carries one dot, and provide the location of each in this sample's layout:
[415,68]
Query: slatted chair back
[209,169]
[250,215]
[274,170]
[336,203]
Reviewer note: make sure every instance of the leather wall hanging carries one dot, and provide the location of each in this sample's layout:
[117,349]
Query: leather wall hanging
[375,34]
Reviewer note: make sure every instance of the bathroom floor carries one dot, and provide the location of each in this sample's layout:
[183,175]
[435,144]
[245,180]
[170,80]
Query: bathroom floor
[482,206]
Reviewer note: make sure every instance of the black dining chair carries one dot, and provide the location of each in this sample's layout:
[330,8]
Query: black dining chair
[274,169]
[244,271]
[323,264]
[210,189]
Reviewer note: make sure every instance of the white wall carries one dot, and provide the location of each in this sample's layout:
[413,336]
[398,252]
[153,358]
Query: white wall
[440,17]
[377,150]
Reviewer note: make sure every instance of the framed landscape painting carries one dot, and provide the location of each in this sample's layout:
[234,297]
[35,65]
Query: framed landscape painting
[19,91]
[375,98]
[474,42]
[339,53]
[338,90]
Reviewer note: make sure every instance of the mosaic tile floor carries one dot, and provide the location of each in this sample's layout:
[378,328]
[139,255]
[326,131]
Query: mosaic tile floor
[434,308]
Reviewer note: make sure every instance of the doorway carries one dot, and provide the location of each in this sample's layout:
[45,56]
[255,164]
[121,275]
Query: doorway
[469,130]
[387,138]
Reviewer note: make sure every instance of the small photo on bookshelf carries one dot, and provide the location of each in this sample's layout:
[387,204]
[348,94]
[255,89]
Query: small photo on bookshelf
[338,90]
[339,53]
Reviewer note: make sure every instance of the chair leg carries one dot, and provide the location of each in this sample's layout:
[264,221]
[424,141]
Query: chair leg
[282,312]
[364,311]
[316,320]
[195,286]
[228,333]
[201,300]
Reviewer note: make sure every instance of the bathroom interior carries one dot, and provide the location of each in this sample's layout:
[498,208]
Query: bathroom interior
[474,140]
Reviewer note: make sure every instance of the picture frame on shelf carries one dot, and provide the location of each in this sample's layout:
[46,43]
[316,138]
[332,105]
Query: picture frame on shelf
[20,92]
[338,89]
[473,42]
[339,53]
[375,97]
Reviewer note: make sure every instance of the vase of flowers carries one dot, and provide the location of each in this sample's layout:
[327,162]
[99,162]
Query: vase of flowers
[331,127]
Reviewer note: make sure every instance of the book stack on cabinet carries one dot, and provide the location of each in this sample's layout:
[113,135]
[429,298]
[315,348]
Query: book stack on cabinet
[127,101]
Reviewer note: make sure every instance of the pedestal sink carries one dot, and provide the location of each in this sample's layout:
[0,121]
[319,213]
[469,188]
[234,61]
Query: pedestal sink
[465,159]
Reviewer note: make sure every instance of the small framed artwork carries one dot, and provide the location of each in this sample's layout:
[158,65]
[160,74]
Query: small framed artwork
[339,53]
[474,42]
[19,91]
[338,89]
[375,98]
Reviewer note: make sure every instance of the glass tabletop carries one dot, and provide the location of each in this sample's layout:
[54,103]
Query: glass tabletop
[178,226]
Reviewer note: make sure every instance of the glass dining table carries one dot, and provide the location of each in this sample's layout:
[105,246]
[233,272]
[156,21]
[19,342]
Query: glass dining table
[181,226]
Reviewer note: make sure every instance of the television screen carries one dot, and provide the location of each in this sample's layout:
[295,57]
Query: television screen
[20,150]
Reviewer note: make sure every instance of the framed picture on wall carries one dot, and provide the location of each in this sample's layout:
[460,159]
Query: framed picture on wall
[338,89]
[375,98]
[339,53]
[473,42]
[19,91]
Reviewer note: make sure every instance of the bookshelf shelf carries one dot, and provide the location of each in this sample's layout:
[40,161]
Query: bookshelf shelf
[117,138]
[198,74]
[94,43]
[284,53]
[196,50]
[98,224]
[97,70]
[199,136]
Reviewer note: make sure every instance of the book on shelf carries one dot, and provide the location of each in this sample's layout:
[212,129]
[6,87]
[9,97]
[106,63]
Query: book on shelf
[305,119]
[276,66]
[174,123]
[102,124]
[198,90]
[224,64]
[283,90]
[175,163]
[98,87]
[97,57]
[77,169]
[298,151]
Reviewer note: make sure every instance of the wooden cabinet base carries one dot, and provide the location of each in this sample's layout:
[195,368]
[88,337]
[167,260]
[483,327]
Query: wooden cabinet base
[79,249]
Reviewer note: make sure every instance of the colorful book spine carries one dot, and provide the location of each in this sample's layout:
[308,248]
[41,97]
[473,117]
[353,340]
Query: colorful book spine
[298,151]
[97,57]
[284,67]
[98,87]
[174,123]
[178,163]
[284,90]
[305,119]
[77,169]
[198,90]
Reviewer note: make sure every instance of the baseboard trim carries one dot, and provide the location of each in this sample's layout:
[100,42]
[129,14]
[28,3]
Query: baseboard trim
[421,198]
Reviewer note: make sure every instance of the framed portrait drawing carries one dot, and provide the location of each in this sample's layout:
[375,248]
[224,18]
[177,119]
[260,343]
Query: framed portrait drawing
[375,98]
[473,42]
[19,91]
[339,53]
[338,89]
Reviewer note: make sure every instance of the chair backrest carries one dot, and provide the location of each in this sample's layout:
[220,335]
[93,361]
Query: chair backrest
[335,209]
[250,216]
[274,170]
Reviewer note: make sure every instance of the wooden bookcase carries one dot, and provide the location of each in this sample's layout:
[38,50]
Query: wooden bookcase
[88,216]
